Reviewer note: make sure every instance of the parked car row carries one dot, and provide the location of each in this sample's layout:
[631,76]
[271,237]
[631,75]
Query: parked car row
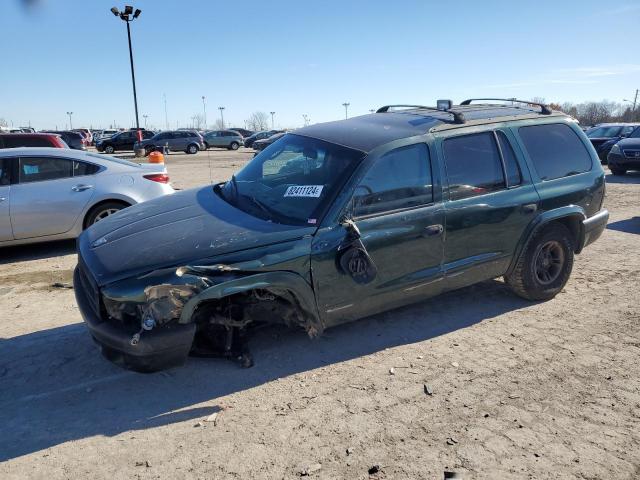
[606,135]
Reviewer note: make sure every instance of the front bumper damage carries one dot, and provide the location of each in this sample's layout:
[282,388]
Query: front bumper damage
[167,347]
[202,311]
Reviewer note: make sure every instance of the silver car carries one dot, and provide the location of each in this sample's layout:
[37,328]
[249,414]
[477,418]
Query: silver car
[185,140]
[53,193]
[223,139]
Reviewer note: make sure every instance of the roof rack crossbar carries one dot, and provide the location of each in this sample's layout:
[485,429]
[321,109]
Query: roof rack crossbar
[458,117]
[544,109]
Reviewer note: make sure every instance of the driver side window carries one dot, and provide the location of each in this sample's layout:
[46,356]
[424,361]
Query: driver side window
[399,179]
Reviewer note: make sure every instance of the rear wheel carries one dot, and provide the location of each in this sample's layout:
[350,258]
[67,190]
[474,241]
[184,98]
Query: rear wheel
[109,149]
[545,265]
[102,211]
[192,149]
[234,146]
[617,170]
[206,146]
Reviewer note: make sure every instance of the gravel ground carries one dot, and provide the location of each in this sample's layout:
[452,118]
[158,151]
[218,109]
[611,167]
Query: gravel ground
[518,389]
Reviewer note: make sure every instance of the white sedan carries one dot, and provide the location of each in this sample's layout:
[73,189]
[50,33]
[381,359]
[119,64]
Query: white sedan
[54,193]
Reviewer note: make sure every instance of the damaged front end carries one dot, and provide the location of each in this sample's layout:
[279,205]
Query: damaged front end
[155,321]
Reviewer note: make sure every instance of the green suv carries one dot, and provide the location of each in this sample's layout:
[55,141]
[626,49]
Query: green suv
[341,220]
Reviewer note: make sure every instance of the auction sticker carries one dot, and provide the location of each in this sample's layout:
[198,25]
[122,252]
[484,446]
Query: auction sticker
[304,191]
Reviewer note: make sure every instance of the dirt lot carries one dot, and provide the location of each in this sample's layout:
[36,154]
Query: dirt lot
[519,390]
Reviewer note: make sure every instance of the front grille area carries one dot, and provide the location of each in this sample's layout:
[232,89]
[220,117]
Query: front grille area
[89,287]
[632,154]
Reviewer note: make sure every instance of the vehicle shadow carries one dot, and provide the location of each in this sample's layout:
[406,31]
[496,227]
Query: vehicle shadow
[57,388]
[37,251]
[629,177]
[629,225]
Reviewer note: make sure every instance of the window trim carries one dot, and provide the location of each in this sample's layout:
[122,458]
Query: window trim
[504,164]
[365,166]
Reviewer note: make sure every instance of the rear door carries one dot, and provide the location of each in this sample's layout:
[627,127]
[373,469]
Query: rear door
[47,199]
[491,202]
[126,140]
[6,232]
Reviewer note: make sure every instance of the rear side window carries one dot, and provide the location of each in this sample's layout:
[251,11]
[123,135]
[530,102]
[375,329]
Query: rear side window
[555,150]
[82,168]
[38,169]
[510,163]
[399,179]
[473,165]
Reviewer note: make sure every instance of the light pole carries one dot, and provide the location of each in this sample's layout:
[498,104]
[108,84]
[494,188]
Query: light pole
[166,117]
[145,121]
[371,110]
[346,109]
[204,109]
[272,114]
[634,102]
[128,16]
[221,116]
[70,124]
[306,119]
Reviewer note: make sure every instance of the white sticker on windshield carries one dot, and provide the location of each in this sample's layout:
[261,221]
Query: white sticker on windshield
[304,191]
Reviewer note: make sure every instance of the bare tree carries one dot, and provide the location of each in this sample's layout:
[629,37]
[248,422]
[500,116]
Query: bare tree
[219,124]
[258,121]
[198,121]
[3,122]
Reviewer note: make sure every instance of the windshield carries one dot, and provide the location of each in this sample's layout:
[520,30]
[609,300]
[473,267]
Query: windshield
[293,180]
[635,133]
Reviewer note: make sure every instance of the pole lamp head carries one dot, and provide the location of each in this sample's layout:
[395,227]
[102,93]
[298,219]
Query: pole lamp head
[137,13]
[115,11]
[128,10]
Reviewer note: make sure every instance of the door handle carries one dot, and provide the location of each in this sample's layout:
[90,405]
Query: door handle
[81,188]
[433,230]
[529,207]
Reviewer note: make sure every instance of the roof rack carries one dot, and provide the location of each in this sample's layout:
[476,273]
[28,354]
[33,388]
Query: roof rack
[458,117]
[544,109]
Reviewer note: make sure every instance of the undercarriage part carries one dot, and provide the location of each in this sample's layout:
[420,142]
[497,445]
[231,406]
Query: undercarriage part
[221,341]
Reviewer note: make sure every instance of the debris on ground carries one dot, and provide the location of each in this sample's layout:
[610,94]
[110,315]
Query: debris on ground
[392,371]
[213,418]
[374,469]
[455,364]
[451,441]
[427,389]
[349,451]
[306,471]
[62,285]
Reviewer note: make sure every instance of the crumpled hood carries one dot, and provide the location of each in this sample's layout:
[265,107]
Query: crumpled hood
[187,226]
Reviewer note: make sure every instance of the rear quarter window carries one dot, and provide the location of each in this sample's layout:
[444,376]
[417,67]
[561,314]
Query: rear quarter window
[555,150]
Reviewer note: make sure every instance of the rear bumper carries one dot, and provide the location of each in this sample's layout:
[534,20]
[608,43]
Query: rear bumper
[594,226]
[159,349]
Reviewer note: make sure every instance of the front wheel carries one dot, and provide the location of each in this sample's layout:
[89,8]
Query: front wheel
[617,170]
[544,267]
[192,149]
[234,145]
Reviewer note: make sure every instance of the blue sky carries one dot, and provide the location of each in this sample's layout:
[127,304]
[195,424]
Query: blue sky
[303,57]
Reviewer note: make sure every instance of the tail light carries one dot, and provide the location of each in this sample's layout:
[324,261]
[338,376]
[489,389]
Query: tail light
[158,177]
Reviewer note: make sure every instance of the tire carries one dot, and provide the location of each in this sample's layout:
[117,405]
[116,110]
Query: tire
[148,149]
[109,149]
[101,211]
[617,170]
[192,149]
[234,146]
[545,264]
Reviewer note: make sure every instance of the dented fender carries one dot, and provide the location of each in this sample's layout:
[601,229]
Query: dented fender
[277,281]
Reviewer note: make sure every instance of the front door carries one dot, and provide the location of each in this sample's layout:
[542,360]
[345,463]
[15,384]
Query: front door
[400,218]
[6,232]
[47,200]
[491,202]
